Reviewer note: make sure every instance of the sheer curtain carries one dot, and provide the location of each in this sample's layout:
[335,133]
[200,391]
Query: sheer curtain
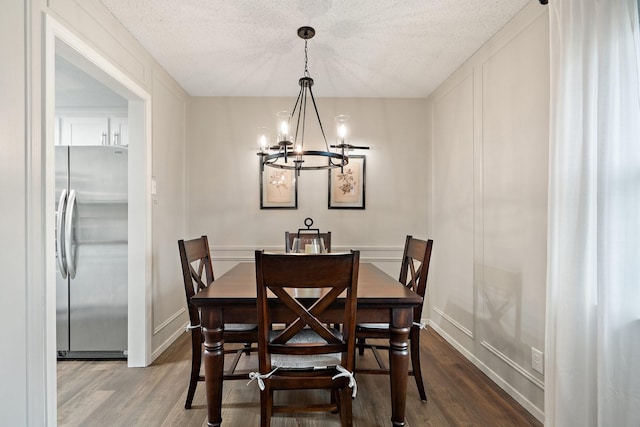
[593,280]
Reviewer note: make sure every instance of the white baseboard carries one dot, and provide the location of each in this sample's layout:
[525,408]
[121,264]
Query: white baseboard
[503,384]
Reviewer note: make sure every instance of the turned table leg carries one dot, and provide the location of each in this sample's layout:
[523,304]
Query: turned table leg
[213,357]
[401,319]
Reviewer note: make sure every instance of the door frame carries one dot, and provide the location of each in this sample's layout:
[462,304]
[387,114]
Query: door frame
[58,39]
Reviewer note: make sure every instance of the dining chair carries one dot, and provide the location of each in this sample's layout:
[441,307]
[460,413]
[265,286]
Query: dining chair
[414,272]
[290,236]
[197,274]
[306,353]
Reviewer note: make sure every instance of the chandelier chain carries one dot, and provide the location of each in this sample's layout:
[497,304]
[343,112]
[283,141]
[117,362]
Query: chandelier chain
[306,60]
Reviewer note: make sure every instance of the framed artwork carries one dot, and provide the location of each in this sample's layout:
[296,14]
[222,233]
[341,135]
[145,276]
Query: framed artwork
[347,187]
[278,189]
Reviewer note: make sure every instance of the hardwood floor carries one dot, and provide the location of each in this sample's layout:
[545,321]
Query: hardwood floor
[107,393]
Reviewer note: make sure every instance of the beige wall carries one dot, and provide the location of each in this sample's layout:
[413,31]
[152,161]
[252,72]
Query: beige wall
[223,178]
[169,212]
[30,368]
[13,217]
[489,133]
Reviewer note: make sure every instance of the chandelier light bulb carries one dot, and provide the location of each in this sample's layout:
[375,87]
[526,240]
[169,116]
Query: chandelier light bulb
[263,139]
[283,126]
[342,129]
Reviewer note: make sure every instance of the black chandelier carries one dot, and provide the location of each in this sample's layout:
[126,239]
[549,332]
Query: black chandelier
[288,152]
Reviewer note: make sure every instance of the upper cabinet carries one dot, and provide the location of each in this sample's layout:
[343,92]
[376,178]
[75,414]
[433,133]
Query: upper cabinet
[119,130]
[92,129]
[87,111]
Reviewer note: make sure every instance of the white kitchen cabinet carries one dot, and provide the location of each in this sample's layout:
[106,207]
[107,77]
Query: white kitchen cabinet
[94,129]
[84,130]
[119,130]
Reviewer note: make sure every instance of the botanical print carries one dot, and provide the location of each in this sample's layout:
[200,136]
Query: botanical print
[347,184]
[279,186]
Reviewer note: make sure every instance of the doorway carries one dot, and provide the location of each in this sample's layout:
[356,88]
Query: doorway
[91,162]
[63,43]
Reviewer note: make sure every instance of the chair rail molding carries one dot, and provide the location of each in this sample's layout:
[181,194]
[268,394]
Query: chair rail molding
[246,253]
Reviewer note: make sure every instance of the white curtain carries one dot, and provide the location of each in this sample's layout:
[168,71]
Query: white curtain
[593,281]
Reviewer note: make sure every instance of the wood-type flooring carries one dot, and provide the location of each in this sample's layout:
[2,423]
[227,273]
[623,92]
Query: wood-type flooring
[107,393]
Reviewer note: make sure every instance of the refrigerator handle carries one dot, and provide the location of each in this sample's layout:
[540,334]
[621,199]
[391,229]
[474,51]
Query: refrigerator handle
[60,255]
[68,228]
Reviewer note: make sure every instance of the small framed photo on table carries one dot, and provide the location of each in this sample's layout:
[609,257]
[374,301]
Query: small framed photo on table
[278,189]
[347,187]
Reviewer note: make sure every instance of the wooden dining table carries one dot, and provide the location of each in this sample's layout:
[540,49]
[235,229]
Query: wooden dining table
[232,299]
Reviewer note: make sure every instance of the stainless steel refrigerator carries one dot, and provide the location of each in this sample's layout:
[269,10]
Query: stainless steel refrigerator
[91,251]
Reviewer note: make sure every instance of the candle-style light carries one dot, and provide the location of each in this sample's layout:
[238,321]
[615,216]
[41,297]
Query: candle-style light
[263,139]
[342,129]
[283,118]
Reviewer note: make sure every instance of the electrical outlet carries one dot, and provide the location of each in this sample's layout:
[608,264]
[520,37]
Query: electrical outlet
[537,360]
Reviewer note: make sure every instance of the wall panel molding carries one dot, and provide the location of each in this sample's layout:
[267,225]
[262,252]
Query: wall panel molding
[453,322]
[489,136]
[516,367]
[168,321]
[166,343]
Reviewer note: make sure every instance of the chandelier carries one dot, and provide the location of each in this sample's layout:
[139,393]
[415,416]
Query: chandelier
[289,151]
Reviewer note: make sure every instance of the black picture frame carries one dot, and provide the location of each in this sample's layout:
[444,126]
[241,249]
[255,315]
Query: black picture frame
[347,188]
[278,188]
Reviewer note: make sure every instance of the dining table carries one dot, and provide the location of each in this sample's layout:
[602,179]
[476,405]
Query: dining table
[231,298]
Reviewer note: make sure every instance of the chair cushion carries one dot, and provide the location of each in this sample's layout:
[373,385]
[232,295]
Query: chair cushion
[239,327]
[373,325]
[318,361]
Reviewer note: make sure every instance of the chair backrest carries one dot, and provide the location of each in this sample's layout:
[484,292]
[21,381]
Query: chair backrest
[305,286]
[289,236]
[197,271]
[415,267]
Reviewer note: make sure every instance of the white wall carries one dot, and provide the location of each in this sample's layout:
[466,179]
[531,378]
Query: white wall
[223,178]
[489,136]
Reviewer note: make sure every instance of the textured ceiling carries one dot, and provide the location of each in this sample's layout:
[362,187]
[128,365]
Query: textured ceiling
[362,48]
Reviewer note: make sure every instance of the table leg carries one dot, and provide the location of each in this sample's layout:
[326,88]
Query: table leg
[401,319]
[213,363]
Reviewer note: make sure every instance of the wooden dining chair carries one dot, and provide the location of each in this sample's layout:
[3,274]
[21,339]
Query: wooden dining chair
[414,272]
[197,274]
[289,236]
[306,353]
